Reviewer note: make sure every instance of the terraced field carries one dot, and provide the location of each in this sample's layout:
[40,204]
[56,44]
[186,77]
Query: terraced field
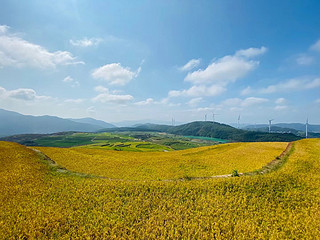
[39,202]
[191,163]
[119,141]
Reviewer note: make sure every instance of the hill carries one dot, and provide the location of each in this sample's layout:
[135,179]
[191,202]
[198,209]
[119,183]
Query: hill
[13,123]
[49,202]
[277,129]
[93,121]
[209,161]
[222,131]
[288,126]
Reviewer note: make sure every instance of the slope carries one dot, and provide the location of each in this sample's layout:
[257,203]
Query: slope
[93,121]
[222,131]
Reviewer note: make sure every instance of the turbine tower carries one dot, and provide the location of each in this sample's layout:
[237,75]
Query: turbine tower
[239,121]
[213,116]
[307,122]
[205,117]
[270,122]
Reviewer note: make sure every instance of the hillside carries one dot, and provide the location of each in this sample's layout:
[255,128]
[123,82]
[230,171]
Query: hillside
[50,202]
[286,127]
[222,131]
[13,123]
[277,129]
[209,161]
[93,121]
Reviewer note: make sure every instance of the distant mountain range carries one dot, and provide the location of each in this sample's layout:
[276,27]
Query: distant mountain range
[13,123]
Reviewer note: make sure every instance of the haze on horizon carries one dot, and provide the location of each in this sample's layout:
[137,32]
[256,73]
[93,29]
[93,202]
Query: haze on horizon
[158,60]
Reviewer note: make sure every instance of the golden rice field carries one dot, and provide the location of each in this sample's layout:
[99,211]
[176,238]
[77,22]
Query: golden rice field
[37,202]
[197,162]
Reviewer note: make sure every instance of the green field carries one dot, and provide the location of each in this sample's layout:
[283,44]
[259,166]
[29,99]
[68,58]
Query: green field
[121,141]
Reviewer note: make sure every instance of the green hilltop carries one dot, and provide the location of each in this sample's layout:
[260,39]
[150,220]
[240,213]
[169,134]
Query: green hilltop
[221,131]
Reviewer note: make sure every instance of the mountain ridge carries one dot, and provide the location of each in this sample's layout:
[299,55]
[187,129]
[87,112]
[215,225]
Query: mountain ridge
[13,123]
[213,130]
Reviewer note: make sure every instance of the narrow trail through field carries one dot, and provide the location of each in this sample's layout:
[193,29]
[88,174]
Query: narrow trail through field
[271,166]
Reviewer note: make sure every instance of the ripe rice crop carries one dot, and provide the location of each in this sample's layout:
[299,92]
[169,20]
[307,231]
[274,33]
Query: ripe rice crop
[37,202]
[199,162]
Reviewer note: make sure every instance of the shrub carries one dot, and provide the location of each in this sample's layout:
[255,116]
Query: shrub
[235,173]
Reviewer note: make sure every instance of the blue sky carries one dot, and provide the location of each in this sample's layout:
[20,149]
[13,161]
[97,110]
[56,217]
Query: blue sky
[137,60]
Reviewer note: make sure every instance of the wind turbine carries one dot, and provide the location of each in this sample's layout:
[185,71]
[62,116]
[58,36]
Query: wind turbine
[213,116]
[205,117]
[307,122]
[270,122]
[239,121]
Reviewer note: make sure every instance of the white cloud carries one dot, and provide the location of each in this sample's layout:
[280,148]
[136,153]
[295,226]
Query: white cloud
[246,91]
[253,101]
[86,42]
[292,84]
[194,101]
[281,101]
[316,46]
[198,91]
[228,68]
[312,84]
[106,97]
[24,94]
[115,74]
[112,98]
[4,29]
[101,89]
[213,80]
[280,108]
[190,65]
[77,101]
[222,71]
[148,101]
[232,102]
[68,79]
[91,110]
[204,109]
[17,52]
[251,52]
[71,81]
[304,60]
[237,102]
[318,100]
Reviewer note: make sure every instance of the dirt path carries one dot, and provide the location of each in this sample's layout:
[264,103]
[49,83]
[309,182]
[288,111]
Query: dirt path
[54,165]
[271,166]
[275,163]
